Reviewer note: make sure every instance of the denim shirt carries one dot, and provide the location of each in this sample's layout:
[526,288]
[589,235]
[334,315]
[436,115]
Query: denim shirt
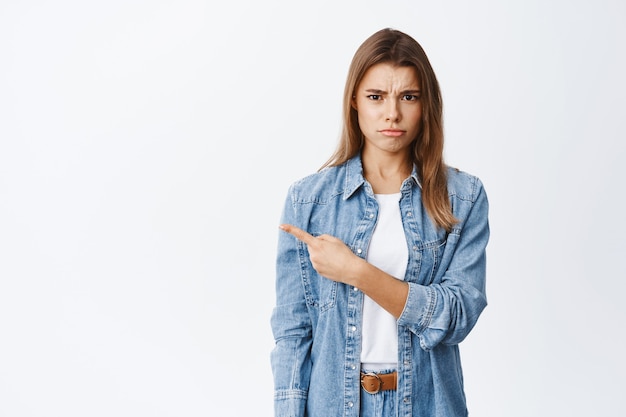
[317,322]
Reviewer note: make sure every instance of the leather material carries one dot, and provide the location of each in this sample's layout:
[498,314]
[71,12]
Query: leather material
[372,382]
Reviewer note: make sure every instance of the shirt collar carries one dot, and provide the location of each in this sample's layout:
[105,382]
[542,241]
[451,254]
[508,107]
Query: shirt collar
[355,178]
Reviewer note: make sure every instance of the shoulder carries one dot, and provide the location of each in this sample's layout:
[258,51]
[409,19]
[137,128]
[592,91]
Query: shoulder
[463,185]
[320,186]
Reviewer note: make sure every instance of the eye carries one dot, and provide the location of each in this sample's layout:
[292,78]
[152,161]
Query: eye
[374,97]
[410,97]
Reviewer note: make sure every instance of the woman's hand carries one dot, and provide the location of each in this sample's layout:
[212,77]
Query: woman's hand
[334,260]
[329,256]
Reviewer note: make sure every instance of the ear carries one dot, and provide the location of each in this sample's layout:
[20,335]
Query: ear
[353,102]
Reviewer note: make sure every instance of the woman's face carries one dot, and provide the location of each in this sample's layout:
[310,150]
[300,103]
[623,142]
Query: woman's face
[389,107]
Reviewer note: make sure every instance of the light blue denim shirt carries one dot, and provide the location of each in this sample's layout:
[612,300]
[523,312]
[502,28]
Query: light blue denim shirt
[317,322]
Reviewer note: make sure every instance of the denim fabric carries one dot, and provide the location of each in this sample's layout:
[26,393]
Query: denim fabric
[317,322]
[381,404]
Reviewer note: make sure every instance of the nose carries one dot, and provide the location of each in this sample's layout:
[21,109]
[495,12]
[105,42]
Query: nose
[392,112]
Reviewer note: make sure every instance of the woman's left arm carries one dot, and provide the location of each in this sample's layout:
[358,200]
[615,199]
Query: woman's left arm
[447,311]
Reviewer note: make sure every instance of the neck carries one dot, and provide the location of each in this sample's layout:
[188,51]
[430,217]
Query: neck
[385,173]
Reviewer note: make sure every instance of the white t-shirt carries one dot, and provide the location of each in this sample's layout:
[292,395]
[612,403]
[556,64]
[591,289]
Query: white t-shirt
[388,251]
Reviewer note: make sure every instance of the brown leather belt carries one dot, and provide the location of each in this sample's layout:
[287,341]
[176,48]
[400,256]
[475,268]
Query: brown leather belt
[372,382]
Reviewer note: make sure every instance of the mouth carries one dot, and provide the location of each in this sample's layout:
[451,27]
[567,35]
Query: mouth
[392,132]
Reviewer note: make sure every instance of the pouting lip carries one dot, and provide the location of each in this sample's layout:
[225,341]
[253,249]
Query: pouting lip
[392,132]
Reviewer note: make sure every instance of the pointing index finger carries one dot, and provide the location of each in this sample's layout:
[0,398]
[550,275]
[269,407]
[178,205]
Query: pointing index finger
[298,233]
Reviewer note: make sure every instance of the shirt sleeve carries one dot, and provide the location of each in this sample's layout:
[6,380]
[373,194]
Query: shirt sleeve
[291,326]
[447,311]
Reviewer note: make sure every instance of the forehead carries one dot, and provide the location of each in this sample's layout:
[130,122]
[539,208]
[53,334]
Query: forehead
[390,76]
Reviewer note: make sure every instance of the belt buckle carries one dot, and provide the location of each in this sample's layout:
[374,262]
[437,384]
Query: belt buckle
[380,382]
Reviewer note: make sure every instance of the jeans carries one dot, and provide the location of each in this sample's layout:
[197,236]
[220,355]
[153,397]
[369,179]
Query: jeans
[381,404]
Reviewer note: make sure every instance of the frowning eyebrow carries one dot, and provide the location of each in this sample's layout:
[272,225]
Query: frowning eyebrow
[376,91]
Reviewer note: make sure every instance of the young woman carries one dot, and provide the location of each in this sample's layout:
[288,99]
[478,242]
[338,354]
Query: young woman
[381,271]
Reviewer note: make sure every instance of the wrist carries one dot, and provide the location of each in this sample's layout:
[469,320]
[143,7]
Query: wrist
[358,272]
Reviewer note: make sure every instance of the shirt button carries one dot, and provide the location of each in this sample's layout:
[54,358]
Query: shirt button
[371,215]
[355,289]
[353,366]
[359,250]
[350,404]
[353,328]
[406,400]
[407,362]
[414,247]
[409,213]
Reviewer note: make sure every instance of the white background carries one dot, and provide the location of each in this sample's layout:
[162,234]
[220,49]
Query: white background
[146,148]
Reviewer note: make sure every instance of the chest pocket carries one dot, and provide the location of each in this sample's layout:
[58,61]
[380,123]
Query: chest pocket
[319,292]
[429,261]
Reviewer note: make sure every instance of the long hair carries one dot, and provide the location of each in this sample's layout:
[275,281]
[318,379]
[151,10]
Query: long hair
[397,48]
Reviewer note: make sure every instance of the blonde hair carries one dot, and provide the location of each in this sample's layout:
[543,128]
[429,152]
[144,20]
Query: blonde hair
[397,48]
